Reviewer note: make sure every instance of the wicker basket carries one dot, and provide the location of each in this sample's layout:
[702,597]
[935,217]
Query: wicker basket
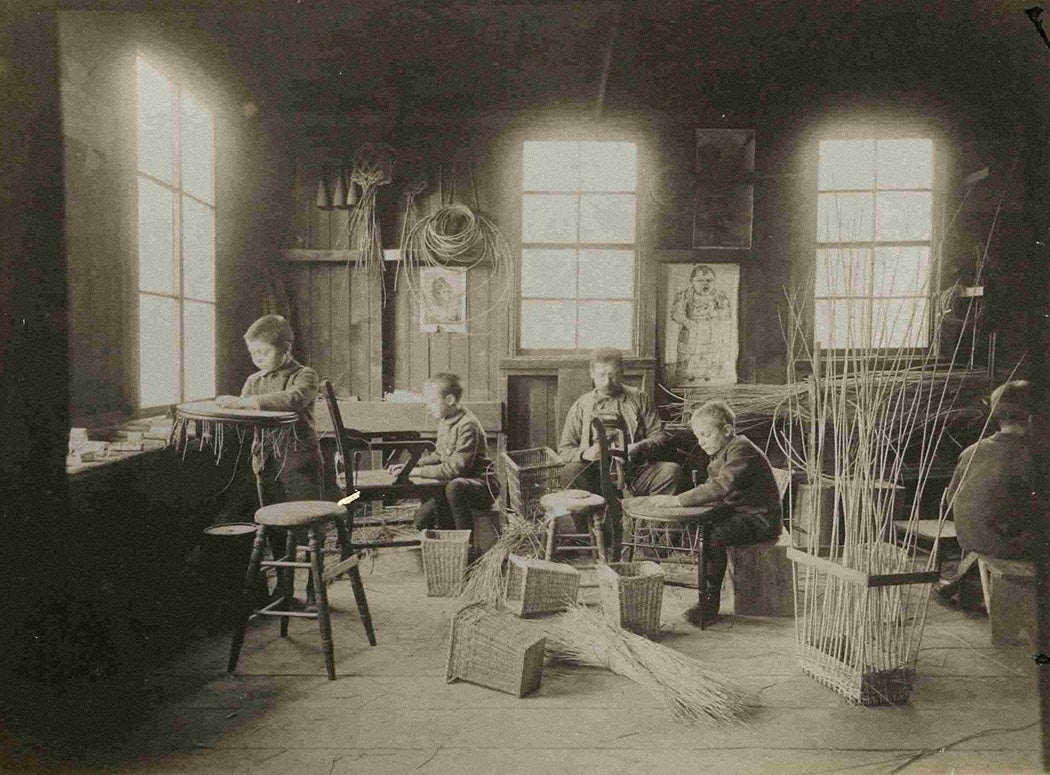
[632,594]
[540,587]
[531,474]
[494,649]
[444,560]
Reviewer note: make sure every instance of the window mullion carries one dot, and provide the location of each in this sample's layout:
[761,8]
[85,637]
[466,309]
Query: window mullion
[180,334]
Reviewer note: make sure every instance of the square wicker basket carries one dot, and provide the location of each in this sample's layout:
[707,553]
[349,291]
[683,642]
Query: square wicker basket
[444,560]
[537,587]
[494,649]
[632,594]
[531,474]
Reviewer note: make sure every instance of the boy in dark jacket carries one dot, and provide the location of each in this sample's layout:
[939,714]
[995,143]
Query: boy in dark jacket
[740,478]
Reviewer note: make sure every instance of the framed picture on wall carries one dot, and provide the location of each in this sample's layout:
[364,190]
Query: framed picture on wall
[443,300]
[700,307]
[724,200]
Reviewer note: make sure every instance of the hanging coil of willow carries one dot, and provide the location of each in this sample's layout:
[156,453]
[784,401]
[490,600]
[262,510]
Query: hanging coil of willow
[373,167]
[456,237]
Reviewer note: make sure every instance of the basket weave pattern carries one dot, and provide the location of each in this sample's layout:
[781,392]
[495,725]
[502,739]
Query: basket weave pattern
[444,560]
[531,474]
[540,587]
[632,595]
[496,650]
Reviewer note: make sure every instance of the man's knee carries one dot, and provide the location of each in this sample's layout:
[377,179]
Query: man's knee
[659,478]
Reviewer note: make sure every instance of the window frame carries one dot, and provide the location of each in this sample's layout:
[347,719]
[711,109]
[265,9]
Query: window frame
[634,247]
[867,134]
[178,192]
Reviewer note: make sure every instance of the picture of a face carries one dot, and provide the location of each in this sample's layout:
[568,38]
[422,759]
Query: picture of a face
[703,279]
[443,297]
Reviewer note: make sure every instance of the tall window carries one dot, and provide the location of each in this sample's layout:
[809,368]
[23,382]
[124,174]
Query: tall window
[176,241]
[578,245]
[874,218]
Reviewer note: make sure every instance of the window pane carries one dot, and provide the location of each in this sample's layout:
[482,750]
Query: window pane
[551,166]
[156,238]
[156,123]
[901,271]
[196,149]
[607,274]
[198,250]
[846,165]
[608,166]
[905,163]
[158,346]
[548,324]
[198,347]
[899,322]
[549,218]
[606,324]
[844,217]
[838,324]
[842,272]
[549,274]
[904,215]
[607,218]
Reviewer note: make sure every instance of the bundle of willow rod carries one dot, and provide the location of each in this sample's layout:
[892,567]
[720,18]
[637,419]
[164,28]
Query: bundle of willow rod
[693,693]
[373,167]
[487,576]
[454,236]
[868,401]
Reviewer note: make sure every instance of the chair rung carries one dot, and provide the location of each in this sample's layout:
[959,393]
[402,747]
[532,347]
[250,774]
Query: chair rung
[284,564]
[296,614]
[331,572]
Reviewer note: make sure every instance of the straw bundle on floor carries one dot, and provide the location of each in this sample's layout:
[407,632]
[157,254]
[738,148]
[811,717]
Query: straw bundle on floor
[486,578]
[694,694]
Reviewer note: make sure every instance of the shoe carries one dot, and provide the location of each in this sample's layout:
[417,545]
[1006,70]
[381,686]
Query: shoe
[701,617]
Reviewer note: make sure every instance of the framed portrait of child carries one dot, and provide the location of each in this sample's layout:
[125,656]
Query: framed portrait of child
[443,300]
[699,312]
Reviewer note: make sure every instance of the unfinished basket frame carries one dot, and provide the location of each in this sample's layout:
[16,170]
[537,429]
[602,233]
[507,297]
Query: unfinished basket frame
[537,587]
[632,595]
[494,649]
[445,554]
[856,632]
[531,474]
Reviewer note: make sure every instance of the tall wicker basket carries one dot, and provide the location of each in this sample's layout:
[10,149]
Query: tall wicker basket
[531,474]
[444,560]
[858,632]
[537,587]
[494,649]
[632,594]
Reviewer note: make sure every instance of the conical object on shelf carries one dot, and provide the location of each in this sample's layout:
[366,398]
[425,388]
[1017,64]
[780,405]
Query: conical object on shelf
[352,195]
[339,192]
[322,199]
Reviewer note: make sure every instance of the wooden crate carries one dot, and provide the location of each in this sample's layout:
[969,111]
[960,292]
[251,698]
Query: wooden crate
[1009,593]
[761,580]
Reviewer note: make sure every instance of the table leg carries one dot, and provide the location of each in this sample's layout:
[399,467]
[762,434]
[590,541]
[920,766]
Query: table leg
[701,573]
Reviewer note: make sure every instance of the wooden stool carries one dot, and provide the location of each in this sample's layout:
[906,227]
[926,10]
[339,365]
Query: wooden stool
[761,581]
[312,515]
[570,503]
[1009,596]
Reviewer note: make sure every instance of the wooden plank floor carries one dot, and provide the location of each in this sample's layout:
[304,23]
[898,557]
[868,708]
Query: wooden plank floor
[973,710]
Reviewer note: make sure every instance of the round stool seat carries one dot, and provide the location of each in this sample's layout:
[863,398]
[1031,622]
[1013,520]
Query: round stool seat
[643,508]
[572,501]
[298,513]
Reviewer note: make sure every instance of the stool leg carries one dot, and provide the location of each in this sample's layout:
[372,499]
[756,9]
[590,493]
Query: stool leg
[627,544]
[324,621]
[246,599]
[551,530]
[362,604]
[701,573]
[597,518]
[286,580]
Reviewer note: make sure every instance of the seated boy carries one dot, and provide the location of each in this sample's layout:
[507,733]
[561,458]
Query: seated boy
[281,384]
[738,476]
[460,458]
[991,489]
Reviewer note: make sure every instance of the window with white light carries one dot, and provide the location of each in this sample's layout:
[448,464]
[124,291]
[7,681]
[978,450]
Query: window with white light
[578,246]
[176,243]
[874,231]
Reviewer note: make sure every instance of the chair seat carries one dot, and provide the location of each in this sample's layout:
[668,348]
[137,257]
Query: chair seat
[298,513]
[643,508]
[572,501]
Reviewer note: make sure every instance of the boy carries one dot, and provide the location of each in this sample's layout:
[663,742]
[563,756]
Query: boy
[460,458]
[991,489]
[281,384]
[740,478]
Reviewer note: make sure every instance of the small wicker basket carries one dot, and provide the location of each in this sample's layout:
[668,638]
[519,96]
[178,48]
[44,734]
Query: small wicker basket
[540,587]
[632,594]
[531,474]
[494,649]
[444,560]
